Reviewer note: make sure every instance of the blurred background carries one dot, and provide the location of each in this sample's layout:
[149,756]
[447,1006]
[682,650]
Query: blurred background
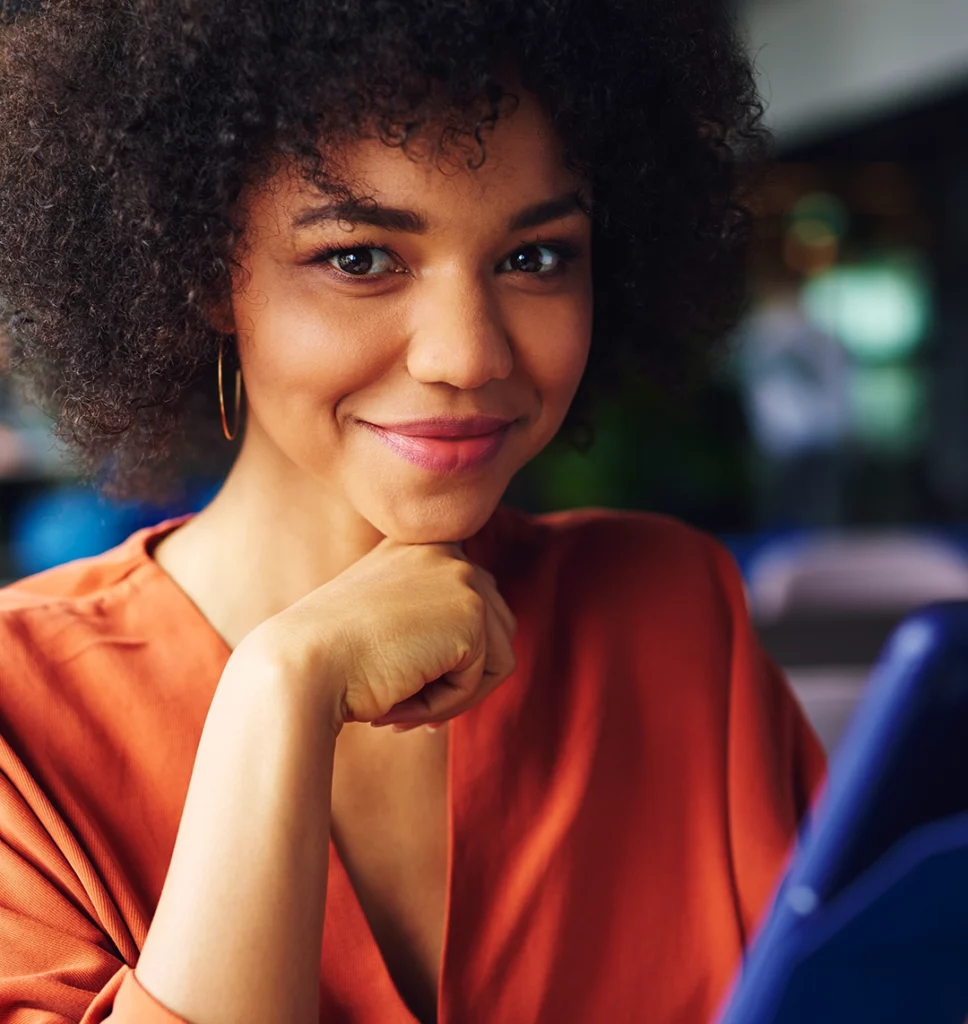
[830,449]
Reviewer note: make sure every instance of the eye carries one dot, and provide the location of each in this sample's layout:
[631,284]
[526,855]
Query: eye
[361,261]
[535,259]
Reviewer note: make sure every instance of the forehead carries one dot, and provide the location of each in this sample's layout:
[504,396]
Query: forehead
[523,163]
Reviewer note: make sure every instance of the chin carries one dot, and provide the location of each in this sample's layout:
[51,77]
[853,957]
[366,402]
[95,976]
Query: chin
[436,520]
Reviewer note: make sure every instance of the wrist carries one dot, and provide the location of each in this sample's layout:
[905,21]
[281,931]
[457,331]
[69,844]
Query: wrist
[310,683]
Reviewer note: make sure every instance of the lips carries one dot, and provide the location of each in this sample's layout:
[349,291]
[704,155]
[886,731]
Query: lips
[448,426]
[445,445]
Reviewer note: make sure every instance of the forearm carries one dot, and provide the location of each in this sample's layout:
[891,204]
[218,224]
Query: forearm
[237,934]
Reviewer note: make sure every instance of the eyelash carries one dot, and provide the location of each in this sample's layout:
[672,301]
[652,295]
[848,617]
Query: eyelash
[566,251]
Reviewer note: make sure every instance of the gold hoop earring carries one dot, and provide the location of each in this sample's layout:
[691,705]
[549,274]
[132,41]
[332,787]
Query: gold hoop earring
[221,398]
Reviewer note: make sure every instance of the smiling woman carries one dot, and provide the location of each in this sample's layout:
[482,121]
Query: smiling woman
[448,317]
[393,248]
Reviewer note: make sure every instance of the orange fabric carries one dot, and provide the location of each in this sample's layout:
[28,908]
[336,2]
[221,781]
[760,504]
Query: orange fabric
[619,809]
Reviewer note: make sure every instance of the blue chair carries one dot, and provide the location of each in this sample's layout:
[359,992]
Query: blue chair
[870,923]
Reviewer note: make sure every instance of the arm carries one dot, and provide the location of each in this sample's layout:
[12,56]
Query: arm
[237,934]
[263,761]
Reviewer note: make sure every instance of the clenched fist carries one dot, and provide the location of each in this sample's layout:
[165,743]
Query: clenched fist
[410,633]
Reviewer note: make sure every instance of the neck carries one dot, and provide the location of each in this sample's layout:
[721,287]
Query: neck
[270,536]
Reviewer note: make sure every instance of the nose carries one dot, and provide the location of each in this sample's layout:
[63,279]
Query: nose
[458,337]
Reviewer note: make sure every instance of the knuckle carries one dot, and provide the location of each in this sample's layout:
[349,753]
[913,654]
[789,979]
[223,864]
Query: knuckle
[463,571]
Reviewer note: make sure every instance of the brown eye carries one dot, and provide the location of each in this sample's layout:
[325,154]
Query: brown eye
[361,262]
[533,259]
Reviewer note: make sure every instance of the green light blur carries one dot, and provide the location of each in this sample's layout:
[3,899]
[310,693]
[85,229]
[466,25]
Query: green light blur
[889,407]
[880,310]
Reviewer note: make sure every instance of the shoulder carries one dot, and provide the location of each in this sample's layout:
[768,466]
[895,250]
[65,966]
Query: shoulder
[644,604]
[73,581]
[76,679]
[617,559]
[44,616]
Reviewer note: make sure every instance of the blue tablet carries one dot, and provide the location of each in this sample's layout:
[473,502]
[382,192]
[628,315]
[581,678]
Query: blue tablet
[870,923]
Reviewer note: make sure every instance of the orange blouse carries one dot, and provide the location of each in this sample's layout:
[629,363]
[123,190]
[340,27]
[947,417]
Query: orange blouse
[619,809]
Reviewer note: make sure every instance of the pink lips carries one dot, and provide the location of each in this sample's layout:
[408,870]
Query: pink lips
[445,445]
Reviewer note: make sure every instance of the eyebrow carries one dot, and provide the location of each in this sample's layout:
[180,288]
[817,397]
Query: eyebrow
[389,218]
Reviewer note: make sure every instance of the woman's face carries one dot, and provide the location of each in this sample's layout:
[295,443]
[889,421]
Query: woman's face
[456,295]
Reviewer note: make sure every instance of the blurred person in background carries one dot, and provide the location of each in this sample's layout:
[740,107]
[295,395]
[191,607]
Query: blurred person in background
[389,251]
[794,377]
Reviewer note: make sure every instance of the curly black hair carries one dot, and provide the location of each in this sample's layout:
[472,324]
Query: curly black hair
[129,128]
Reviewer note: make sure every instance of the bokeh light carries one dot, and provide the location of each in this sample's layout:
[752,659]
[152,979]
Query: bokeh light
[879,310]
[888,408]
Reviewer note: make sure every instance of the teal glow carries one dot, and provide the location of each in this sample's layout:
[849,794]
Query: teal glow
[879,311]
[888,407]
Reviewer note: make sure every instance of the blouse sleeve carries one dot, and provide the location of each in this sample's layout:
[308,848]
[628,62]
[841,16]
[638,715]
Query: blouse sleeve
[133,1003]
[59,964]
[776,764]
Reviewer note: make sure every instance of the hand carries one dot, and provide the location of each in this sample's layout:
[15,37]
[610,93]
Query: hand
[410,634]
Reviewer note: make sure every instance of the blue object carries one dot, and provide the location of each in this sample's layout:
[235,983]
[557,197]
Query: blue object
[71,521]
[871,921]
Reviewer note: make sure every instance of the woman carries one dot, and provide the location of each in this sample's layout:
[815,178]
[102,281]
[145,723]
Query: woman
[372,225]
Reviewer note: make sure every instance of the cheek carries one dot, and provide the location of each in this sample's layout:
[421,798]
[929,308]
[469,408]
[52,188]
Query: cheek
[553,339]
[300,353]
